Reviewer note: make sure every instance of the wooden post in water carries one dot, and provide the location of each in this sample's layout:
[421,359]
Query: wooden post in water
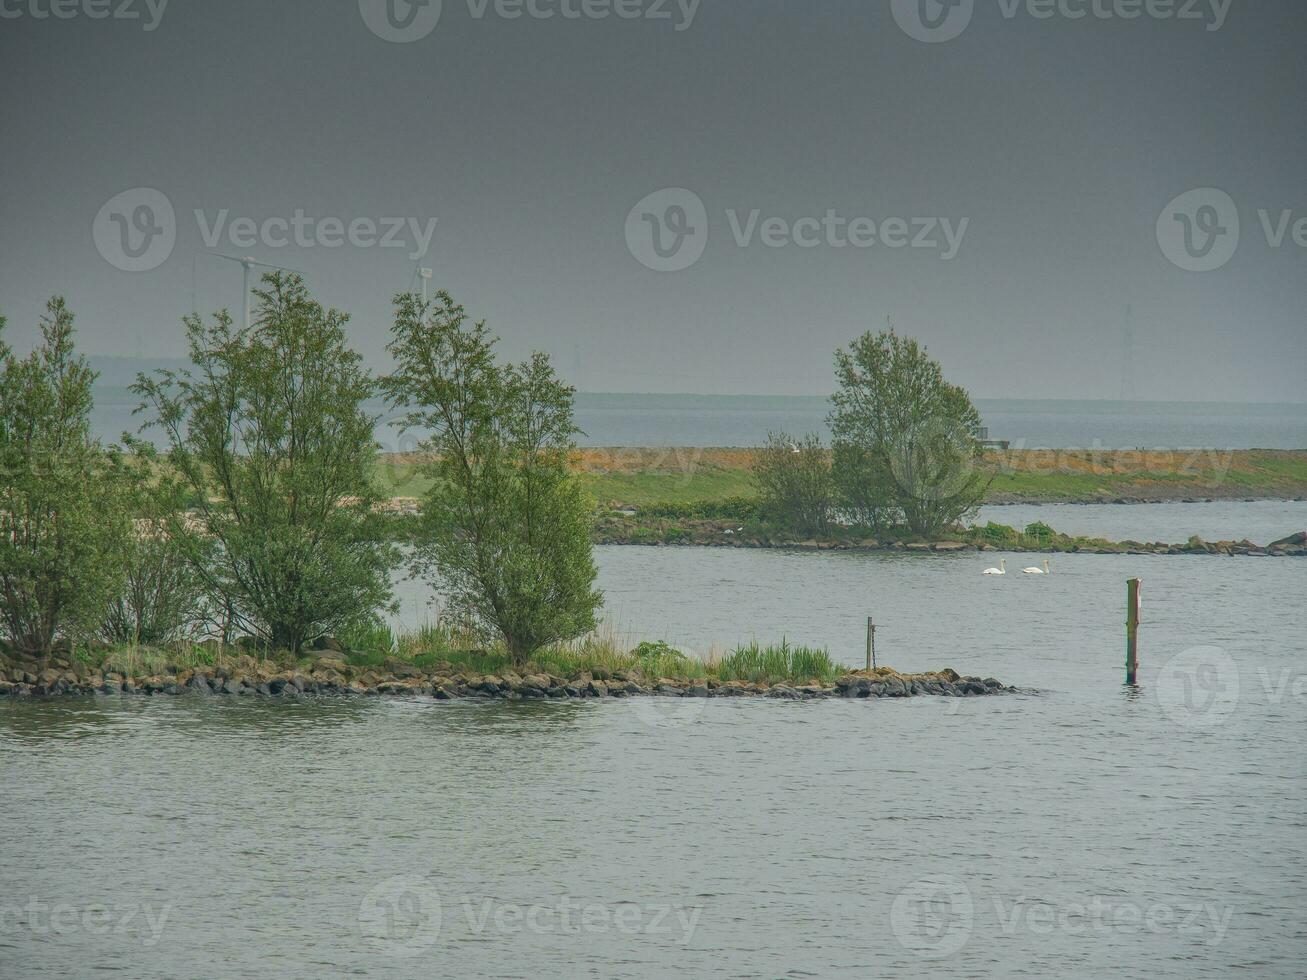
[1131,630]
[871,643]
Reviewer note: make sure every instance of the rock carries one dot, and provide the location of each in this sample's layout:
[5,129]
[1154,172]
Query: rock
[331,657]
[1292,540]
[199,684]
[400,668]
[328,643]
[697,690]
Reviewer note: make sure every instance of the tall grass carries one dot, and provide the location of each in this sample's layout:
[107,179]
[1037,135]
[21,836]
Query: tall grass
[773,664]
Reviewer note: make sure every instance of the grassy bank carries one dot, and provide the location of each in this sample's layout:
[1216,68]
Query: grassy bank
[640,478]
[413,667]
[446,651]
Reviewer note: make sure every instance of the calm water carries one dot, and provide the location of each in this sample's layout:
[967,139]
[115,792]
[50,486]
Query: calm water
[745,420]
[1261,521]
[1082,831]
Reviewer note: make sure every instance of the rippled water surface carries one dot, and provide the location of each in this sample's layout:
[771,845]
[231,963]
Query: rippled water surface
[1081,830]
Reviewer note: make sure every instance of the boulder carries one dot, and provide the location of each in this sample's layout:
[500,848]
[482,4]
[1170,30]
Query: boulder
[1294,539]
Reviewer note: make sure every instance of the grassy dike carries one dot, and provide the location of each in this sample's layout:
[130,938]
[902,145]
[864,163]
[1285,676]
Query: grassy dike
[643,477]
[432,664]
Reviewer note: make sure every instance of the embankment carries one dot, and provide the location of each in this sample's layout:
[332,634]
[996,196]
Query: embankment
[332,676]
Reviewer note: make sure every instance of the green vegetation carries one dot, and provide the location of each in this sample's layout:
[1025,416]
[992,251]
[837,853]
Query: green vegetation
[774,664]
[268,432]
[63,524]
[905,442]
[504,531]
[450,650]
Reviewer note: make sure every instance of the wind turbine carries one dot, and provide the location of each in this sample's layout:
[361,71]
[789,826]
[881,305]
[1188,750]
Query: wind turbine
[247,263]
[425,273]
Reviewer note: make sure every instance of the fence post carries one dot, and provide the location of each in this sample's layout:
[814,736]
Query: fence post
[871,643]
[1131,630]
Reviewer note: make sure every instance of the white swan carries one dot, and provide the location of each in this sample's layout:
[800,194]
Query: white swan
[1001,570]
[1032,570]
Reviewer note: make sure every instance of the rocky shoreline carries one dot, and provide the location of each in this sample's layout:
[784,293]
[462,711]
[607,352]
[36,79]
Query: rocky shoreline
[332,676]
[722,535]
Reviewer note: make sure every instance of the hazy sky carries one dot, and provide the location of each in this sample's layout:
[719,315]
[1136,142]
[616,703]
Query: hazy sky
[1033,159]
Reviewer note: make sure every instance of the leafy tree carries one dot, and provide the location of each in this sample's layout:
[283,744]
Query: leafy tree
[906,442]
[505,528]
[161,597]
[794,483]
[62,524]
[269,433]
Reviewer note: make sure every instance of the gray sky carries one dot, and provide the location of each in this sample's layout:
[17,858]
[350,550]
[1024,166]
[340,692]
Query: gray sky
[1061,142]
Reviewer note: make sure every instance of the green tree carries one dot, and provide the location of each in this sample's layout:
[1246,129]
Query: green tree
[62,524]
[794,483]
[268,432]
[906,442]
[505,528]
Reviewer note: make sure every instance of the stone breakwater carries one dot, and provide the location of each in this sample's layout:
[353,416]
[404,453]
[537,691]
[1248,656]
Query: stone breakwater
[335,677]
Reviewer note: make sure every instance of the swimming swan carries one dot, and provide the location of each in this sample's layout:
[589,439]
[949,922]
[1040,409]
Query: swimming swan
[1032,570]
[1001,570]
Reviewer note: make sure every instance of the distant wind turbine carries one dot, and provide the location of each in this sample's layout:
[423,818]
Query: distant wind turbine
[247,263]
[425,273]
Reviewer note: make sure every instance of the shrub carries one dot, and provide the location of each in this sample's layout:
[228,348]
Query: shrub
[794,483]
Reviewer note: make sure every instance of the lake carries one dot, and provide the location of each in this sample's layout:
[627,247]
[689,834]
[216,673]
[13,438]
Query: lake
[745,420]
[1080,829]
